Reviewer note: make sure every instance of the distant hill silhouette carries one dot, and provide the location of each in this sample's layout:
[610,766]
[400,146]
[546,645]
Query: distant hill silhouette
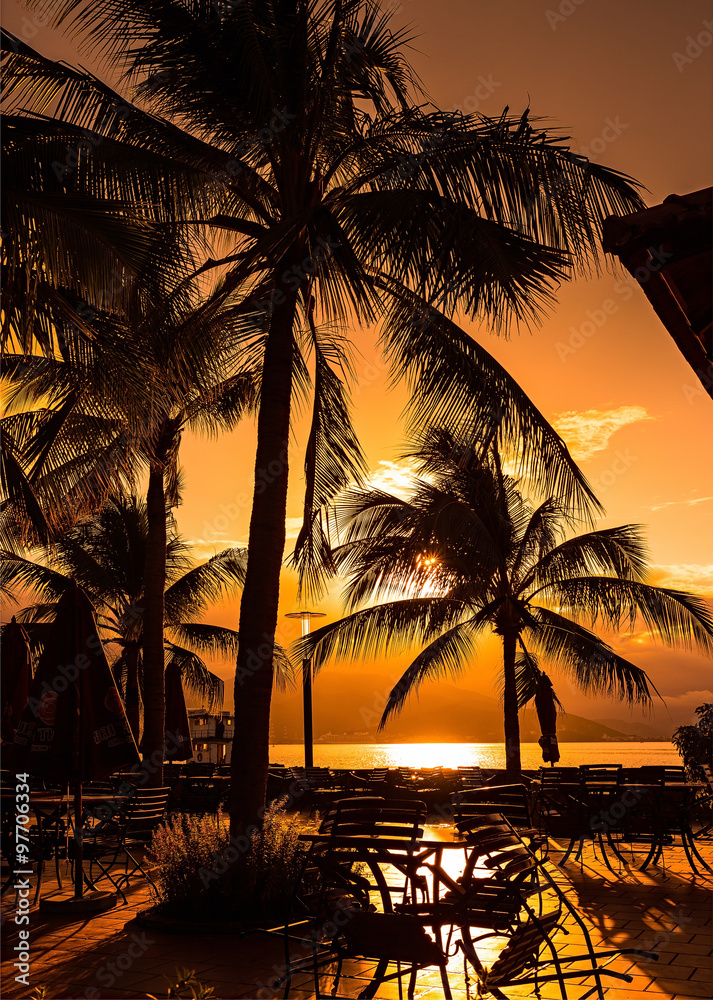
[660,731]
[347,708]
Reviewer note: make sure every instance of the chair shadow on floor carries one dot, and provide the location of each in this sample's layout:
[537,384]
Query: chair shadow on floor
[656,910]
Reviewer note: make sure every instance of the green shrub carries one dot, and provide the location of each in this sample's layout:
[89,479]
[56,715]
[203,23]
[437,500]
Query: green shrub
[204,876]
[695,743]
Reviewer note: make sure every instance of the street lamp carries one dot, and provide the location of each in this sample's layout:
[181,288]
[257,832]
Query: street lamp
[305,617]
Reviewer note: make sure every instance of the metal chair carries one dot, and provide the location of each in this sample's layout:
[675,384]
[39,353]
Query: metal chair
[120,836]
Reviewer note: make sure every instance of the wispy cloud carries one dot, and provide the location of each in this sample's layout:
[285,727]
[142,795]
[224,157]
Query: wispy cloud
[202,549]
[394,477]
[292,527]
[684,576]
[589,431]
[680,503]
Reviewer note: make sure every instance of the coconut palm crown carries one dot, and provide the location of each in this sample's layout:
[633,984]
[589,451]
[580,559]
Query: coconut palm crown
[466,554]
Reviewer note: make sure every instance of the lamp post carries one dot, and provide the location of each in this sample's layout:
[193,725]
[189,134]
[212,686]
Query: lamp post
[305,617]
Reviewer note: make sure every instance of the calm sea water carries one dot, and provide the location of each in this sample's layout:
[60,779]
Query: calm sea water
[355,755]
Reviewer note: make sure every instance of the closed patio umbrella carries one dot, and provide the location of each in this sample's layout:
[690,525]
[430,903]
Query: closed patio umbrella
[546,708]
[16,667]
[74,726]
[178,734]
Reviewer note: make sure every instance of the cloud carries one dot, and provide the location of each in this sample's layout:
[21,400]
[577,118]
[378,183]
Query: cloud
[695,577]
[293,526]
[201,549]
[394,477]
[680,503]
[588,431]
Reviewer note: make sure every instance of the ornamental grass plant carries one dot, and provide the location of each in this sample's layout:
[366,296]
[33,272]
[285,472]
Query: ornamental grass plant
[204,875]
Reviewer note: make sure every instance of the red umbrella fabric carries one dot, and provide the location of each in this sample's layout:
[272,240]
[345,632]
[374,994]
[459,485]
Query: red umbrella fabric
[16,676]
[547,715]
[178,733]
[74,725]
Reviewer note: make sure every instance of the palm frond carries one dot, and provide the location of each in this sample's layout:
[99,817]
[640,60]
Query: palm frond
[588,661]
[188,597]
[455,383]
[446,656]
[619,551]
[676,617]
[218,640]
[379,630]
[196,677]
[333,460]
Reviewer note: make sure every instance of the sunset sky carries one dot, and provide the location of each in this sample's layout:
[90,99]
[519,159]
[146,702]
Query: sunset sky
[631,83]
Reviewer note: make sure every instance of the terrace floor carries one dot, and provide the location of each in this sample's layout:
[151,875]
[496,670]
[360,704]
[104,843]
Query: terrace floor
[108,956]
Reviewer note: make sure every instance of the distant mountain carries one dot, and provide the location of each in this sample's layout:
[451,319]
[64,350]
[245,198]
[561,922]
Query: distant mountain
[347,709]
[660,731]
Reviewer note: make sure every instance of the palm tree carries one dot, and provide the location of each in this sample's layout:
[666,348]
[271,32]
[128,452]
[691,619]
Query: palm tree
[80,423]
[343,197]
[106,555]
[467,553]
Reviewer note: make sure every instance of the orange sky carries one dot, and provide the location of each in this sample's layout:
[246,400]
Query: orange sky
[632,86]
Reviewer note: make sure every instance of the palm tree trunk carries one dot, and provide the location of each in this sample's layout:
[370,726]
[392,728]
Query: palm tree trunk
[154,587]
[258,607]
[512,721]
[132,701]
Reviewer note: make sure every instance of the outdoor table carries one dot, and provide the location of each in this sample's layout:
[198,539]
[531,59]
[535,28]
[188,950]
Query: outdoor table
[50,808]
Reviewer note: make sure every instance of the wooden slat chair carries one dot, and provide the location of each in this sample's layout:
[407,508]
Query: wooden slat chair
[373,779]
[498,848]
[392,825]
[530,959]
[46,838]
[512,801]
[500,877]
[470,777]
[359,832]
[314,784]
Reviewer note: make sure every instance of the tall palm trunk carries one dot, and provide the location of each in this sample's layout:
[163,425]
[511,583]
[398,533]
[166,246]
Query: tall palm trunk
[132,700]
[258,607]
[512,721]
[154,587]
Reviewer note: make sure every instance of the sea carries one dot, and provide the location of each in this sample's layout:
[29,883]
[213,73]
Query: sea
[487,755]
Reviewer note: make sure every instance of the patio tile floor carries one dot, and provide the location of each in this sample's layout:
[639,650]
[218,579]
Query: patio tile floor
[108,956]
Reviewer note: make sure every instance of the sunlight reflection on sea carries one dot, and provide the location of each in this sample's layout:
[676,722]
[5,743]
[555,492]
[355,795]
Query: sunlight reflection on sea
[355,755]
